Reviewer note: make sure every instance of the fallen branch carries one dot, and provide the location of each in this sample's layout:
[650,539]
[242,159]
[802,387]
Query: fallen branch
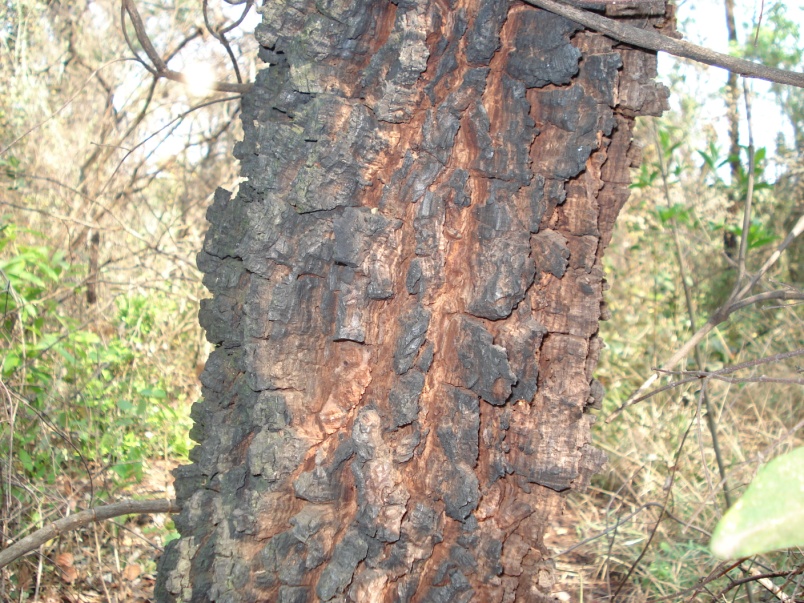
[653,40]
[67,524]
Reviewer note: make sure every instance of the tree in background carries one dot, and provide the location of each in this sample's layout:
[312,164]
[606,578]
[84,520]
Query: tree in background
[407,292]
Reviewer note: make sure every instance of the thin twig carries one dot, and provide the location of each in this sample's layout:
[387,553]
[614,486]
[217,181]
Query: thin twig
[699,358]
[701,398]
[719,316]
[100,563]
[663,506]
[749,196]
[167,125]
[798,228]
[760,379]
[220,34]
[721,570]
[697,375]
[60,109]
[743,365]
[761,578]
[121,526]
[620,521]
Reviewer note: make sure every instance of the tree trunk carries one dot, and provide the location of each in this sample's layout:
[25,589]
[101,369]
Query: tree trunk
[406,300]
[733,114]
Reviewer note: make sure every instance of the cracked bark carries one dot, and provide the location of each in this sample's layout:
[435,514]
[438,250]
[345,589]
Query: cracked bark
[406,296]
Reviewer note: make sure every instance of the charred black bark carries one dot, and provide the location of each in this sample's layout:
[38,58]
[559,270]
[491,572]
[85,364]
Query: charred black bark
[406,296]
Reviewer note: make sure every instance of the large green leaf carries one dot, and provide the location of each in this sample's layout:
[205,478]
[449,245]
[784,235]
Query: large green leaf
[769,516]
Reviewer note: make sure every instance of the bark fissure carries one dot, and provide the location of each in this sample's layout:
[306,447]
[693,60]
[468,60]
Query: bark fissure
[406,295]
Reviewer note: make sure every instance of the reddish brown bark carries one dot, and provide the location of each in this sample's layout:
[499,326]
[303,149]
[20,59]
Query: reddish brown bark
[406,302]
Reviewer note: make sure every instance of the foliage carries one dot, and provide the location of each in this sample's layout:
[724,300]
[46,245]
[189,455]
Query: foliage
[770,514]
[81,396]
[105,175]
[661,450]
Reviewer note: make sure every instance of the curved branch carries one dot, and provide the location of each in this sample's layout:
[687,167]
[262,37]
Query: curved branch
[653,40]
[67,524]
[230,27]
[142,36]
[160,68]
[783,295]
[130,44]
[222,31]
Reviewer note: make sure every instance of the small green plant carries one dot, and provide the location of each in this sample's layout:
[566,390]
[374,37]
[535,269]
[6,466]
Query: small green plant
[676,564]
[85,400]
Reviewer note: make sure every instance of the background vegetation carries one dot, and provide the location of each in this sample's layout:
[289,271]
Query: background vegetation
[105,174]
[656,506]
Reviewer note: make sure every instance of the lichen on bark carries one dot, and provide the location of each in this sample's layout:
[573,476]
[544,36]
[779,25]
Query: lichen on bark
[406,297]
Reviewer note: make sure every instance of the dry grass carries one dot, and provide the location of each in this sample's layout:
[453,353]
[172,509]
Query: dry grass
[652,466]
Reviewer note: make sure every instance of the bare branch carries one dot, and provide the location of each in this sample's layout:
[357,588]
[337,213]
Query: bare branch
[764,580]
[760,379]
[198,32]
[142,36]
[760,297]
[221,37]
[662,512]
[734,303]
[228,28]
[698,375]
[130,44]
[620,521]
[748,363]
[167,125]
[749,196]
[160,69]
[655,41]
[791,236]
[67,524]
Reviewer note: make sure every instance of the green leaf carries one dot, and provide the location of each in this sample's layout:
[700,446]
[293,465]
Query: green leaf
[25,459]
[769,516]
[759,156]
[153,392]
[169,537]
[676,212]
[12,362]
[66,355]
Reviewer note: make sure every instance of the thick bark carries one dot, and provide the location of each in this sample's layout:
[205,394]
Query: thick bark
[406,300]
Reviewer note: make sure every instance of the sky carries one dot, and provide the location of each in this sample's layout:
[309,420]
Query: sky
[703,22]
